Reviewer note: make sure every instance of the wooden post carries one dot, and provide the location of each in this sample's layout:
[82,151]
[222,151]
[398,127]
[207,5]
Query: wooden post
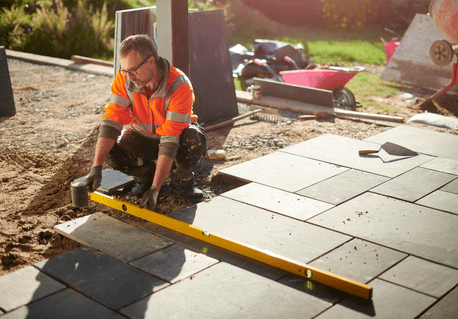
[180,35]
[173,34]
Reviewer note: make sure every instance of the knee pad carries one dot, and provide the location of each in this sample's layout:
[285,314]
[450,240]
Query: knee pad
[193,145]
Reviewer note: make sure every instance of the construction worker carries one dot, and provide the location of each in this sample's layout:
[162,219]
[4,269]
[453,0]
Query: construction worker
[149,129]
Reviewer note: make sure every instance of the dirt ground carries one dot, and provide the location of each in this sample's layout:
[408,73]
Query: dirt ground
[50,142]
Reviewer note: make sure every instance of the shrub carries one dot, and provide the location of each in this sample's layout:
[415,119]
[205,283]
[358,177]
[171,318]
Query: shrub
[14,27]
[60,33]
[348,13]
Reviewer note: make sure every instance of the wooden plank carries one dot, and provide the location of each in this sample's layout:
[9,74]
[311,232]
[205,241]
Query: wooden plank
[295,92]
[84,60]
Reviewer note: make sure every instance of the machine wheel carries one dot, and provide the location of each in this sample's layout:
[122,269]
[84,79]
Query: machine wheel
[441,52]
[344,99]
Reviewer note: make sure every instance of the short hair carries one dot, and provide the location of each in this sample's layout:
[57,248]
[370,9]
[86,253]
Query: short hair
[140,44]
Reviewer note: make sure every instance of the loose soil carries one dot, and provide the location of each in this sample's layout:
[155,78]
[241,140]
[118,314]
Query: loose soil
[50,142]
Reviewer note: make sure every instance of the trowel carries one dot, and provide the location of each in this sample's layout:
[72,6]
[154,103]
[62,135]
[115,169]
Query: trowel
[392,149]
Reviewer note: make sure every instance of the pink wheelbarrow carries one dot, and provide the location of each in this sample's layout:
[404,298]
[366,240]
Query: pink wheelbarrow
[332,79]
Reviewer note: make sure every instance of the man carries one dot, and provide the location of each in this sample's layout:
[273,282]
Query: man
[148,129]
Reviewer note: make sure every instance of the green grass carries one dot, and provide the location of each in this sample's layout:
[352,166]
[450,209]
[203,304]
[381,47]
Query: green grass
[364,85]
[346,52]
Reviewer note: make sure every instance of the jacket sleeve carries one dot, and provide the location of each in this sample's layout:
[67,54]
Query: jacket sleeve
[117,111]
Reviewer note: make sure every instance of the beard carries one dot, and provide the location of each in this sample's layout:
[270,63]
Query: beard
[142,84]
[139,85]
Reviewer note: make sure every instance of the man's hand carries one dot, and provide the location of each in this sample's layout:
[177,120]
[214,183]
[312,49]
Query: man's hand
[94,178]
[149,199]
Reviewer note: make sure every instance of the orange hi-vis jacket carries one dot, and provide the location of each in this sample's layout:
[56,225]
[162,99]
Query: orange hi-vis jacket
[164,115]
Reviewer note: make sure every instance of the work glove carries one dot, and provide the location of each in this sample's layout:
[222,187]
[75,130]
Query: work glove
[94,178]
[149,199]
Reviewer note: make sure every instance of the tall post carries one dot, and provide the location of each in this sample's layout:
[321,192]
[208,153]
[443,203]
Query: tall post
[180,35]
[173,33]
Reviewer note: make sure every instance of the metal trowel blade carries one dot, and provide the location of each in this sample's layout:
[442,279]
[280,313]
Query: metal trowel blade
[397,150]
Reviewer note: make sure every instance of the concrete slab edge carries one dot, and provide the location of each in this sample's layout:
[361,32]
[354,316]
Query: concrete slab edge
[69,64]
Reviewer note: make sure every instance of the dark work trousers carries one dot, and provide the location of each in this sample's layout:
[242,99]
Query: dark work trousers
[131,145]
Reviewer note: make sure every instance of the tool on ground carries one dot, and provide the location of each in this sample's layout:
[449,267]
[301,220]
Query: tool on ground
[307,117]
[266,114]
[267,257]
[319,116]
[392,149]
[231,121]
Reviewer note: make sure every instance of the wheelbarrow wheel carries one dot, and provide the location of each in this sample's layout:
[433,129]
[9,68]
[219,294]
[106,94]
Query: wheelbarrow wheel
[344,99]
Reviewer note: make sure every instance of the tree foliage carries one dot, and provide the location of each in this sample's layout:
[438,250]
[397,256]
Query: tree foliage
[56,31]
[349,13]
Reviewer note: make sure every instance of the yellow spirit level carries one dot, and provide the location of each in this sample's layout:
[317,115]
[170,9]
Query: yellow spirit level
[269,258]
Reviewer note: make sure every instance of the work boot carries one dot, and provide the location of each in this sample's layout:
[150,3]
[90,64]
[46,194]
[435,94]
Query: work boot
[140,187]
[187,190]
[143,179]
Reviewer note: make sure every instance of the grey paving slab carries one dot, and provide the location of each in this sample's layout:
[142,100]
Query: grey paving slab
[423,276]
[226,291]
[445,165]
[451,187]
[112,180]
[284,171]
[359,260]
[445,308]
[219,253]
[344,151]
[343,187]
[101,277]
[414,184]
[112,236]
[174,263]
[67,304]
[285,203]
[262,229]
[25,285]
[410,228]
[420,140]
[388,301]
[441,200]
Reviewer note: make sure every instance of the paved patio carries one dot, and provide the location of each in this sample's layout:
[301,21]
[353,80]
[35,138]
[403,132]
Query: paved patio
[387,221]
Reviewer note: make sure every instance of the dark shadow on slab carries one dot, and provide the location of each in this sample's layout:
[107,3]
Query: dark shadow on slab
[360,305]
[213,251]
[314,288]
[102,278]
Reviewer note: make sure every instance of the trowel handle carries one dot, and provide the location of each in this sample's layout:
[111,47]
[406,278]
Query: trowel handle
[366,152]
